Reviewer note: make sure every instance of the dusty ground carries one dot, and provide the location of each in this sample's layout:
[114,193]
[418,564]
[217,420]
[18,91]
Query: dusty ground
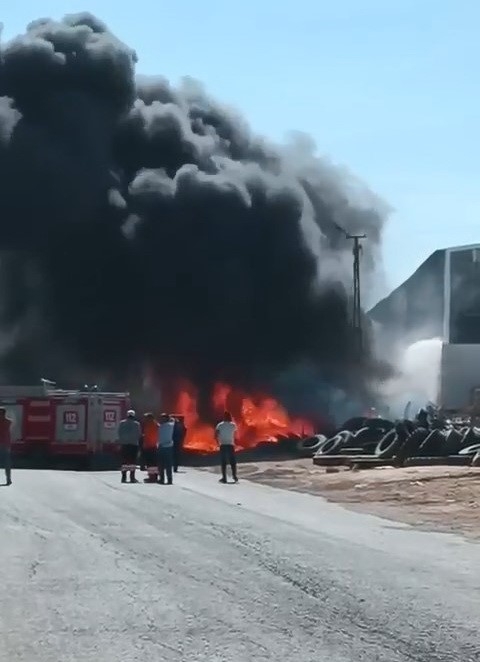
[440,498]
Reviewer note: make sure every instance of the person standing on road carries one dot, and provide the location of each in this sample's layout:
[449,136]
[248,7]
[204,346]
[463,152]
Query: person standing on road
[225,435]
[6,445]
[150,441]
[129,433]
[165,448]
[179,432]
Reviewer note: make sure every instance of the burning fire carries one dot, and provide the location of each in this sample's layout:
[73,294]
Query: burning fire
[258,418]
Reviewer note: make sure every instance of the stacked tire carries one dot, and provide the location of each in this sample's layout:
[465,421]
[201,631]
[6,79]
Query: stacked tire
[389,440]
[359,433]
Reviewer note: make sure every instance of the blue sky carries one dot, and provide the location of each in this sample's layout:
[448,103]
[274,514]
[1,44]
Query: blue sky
[388,88]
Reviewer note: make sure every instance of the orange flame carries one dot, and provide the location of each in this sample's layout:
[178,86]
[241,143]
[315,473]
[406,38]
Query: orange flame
[258,418]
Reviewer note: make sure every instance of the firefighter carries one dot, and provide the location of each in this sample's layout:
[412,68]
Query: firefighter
[6,445]
[179,432]
[150,442]
[165,448]
[225,435]
[129,433]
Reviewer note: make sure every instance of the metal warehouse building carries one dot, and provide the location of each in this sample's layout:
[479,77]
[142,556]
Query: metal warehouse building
[441,299]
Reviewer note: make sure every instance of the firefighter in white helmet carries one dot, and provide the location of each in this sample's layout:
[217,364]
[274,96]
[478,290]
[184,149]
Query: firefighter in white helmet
[129,434]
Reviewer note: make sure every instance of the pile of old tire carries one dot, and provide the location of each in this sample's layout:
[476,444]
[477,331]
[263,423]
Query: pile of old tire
[360,422]
[394,440]
[308,447]
[334,445]
[405,441]
[470,443]
[465,441]
[359,434]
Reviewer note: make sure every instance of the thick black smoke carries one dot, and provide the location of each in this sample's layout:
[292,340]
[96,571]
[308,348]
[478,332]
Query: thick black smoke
[146,226]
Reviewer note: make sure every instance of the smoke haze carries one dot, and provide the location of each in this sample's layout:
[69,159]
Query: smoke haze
[418,378]
[146,225]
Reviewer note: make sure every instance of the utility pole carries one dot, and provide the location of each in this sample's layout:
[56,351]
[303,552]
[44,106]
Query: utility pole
[357,307]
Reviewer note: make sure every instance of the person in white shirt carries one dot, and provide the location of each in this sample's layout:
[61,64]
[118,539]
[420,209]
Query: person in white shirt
[225,435]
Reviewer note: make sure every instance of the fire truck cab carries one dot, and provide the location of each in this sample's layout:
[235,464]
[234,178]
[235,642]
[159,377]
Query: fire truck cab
[48,423]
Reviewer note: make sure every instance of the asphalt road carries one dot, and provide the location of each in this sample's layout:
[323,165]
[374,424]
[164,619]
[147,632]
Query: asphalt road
[99,571]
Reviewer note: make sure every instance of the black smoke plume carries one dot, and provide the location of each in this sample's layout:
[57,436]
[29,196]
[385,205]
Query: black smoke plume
[146,227]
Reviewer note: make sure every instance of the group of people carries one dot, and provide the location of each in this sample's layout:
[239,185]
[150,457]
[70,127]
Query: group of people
[153,443]
[159,444]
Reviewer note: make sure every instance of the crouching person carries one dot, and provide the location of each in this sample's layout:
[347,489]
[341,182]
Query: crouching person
[129,433]
[165,449]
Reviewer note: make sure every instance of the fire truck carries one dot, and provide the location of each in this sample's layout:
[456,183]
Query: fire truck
[50,423]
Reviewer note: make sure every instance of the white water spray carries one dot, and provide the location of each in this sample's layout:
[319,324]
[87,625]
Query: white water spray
[419,377]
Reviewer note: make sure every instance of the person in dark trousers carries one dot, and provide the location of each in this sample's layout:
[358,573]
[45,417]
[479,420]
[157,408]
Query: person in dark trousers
[141,453]
[129,434]
[150,441]
[165,449]
[225,435]
[6,445]
[179,432]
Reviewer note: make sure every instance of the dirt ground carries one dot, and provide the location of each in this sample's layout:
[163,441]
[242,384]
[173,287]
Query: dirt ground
[436,498]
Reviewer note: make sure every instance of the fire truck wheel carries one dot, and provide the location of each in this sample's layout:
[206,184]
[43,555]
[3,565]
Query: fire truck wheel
[434,445]
[470,450]
[388,446]
[307,447]
[331,446]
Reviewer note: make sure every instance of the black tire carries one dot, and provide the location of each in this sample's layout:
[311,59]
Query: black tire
[453,442]
[402,431]
[346,435]
[469,438]
[438,425]
[434,445]
[470,450]
[381,423]
[388,446]
[287,445]
[353,424]
[413,442]
[308,447]
[368,436]
[409,426]
[331,446]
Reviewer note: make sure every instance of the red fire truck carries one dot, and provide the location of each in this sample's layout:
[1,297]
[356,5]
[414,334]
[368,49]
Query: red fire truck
[49,422]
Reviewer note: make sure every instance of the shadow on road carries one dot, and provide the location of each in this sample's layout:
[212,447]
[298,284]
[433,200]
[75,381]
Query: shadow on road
[264,452]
